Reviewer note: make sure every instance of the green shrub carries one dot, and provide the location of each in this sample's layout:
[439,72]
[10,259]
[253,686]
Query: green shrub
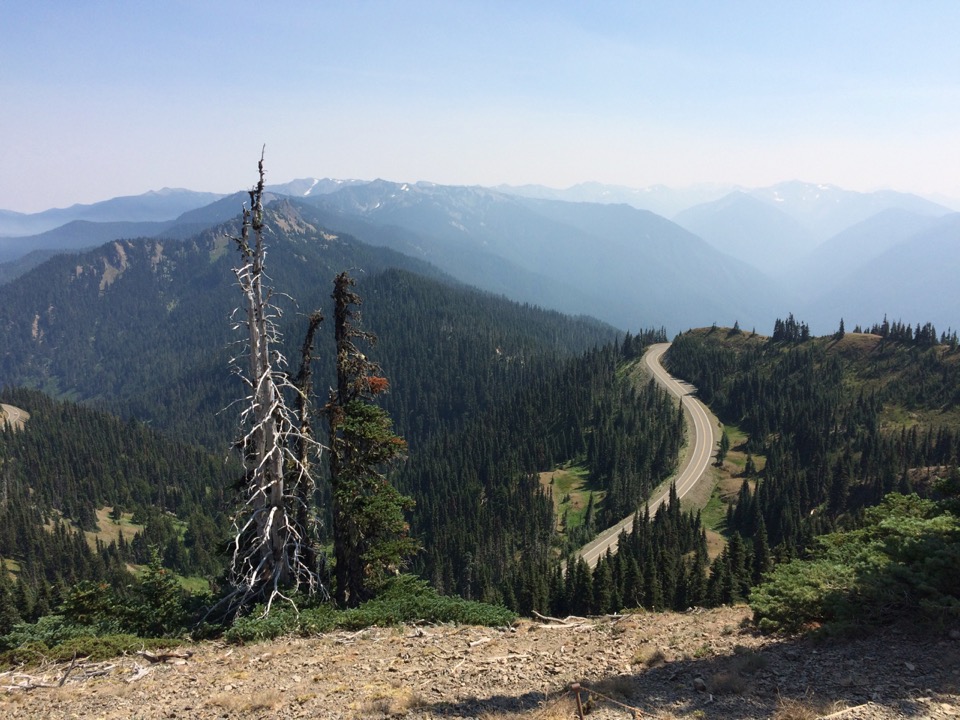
[54,638]
[904,560]
[49,631]
[255,627]
[404,599]
[407,598]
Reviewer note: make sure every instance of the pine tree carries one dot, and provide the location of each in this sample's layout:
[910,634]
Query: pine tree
[723,448]
[762,559]
[8,608]
[603,586]
[370,534]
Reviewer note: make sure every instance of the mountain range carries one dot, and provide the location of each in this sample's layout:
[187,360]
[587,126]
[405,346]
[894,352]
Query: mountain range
[727,255]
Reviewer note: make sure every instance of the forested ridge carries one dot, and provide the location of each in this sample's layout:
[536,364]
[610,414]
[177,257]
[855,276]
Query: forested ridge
[486,395]
[583,410]
[843,423]
[67,462]
[486,392]
[826,527]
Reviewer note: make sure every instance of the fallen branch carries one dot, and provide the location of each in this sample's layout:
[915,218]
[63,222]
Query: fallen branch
[66,674]
[838,713]
[565,626]
[504,658]
[30,683]
[561,623]
[142,670]
[166,655]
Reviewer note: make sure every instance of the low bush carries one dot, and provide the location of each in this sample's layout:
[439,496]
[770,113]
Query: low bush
[79,645]
[49,631]
[407,599]
[904,561]
[404,599]
[257,627]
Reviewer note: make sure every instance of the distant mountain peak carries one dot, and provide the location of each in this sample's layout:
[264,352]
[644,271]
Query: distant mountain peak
[310,186]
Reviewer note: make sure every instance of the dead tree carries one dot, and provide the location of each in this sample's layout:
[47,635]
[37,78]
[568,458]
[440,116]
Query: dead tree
[273,550]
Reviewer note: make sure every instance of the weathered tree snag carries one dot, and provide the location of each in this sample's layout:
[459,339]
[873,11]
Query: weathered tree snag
[273,550]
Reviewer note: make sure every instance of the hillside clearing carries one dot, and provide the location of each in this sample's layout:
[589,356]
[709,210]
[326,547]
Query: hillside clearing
[570,487]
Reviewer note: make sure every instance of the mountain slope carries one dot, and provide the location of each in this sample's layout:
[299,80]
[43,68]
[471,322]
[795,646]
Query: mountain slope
[629,267]
[658,199]
[142,327]
[78,235]
[847,252]
[152,206]
[750,230]
[914,281]
[827,210]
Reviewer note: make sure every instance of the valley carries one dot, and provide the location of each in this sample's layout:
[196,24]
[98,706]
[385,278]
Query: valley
[633,258]
[525,432]
[513,361]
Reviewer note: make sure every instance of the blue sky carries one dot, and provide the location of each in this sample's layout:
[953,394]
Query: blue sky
[117,98]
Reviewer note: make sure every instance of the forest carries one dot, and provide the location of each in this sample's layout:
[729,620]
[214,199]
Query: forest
[125,477]
[121,357]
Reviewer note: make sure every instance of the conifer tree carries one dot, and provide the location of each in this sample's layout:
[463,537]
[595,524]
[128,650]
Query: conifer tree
[603,586]
[723,448]
[762,559]
[370,535]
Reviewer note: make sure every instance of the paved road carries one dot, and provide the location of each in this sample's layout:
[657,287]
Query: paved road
[703,440]
[13,415]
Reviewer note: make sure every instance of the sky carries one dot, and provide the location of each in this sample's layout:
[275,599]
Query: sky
[103,99]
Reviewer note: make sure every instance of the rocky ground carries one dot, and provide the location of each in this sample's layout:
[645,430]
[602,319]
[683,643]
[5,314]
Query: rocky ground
[700,664]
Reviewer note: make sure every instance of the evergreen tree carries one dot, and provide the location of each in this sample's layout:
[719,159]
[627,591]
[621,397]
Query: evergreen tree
[840,331]
[8,607]
[370,533]
[762,558]
[603,590]
[723,447]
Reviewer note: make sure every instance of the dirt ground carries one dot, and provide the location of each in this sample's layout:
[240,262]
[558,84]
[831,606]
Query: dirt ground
[699,664]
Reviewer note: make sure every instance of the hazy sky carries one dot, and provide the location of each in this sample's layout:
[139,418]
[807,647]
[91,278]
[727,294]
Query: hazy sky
[116,98]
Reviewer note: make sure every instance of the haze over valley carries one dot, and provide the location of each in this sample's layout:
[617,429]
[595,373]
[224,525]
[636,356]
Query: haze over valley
[747,257]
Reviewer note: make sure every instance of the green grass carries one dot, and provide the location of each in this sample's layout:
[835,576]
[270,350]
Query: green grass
[571,490]
[714,515]
[109,530]
[737,436]
[729,479]
[194,584]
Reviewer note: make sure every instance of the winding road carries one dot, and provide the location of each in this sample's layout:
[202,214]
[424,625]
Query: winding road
[703,438]
[13,415]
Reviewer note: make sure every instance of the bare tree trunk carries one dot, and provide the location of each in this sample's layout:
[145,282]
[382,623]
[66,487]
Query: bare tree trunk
[273,549]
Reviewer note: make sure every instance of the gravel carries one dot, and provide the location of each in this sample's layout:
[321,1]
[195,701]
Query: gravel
[699,664]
